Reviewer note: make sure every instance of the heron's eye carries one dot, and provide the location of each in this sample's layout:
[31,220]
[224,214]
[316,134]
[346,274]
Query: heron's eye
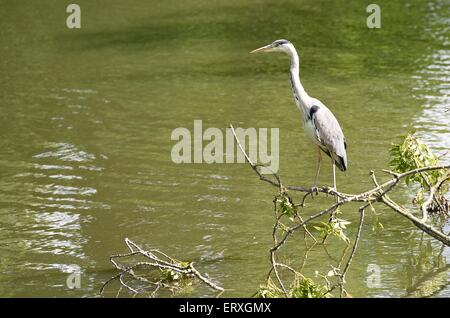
[281,42]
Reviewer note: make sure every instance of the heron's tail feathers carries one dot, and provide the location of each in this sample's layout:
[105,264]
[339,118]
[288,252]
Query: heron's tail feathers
[341,162]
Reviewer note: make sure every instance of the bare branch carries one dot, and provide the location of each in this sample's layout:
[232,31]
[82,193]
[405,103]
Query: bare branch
[158,261]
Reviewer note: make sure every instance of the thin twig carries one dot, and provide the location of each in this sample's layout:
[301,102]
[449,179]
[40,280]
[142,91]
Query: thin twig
[158,260]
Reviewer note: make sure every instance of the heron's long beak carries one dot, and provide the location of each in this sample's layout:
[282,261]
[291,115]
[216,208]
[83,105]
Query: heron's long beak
[262,49]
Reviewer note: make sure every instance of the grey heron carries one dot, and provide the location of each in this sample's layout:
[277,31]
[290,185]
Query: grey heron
[320,125]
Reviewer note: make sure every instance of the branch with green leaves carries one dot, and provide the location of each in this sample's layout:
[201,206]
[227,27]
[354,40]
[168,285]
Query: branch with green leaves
[436,177]
[152,272]
[412,162]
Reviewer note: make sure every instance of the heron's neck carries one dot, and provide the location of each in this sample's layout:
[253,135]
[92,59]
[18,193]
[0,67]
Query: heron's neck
[300,95]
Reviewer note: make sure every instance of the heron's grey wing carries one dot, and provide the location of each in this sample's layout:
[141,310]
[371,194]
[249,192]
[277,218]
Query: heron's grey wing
[330,135]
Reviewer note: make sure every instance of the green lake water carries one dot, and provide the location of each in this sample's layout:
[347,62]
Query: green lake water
[86,117]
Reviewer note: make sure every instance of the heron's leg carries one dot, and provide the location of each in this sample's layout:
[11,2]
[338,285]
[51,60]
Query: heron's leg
[334,182]
[334,179]
[334,174]
[319,159]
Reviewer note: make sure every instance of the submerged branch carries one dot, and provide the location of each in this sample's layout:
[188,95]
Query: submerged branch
[161,272]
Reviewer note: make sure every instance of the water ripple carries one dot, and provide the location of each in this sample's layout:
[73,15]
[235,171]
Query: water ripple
[66,152]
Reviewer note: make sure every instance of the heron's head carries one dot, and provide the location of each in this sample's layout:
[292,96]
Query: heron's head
[276,46]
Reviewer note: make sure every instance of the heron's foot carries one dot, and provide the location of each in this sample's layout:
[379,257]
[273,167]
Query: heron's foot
[331,189]
[314,190]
